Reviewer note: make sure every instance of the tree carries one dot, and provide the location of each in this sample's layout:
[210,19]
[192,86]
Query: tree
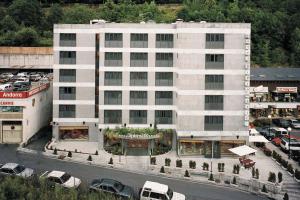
[26,37]
[78,14]
[55,15]
[8,24]
[27,12]
[295,47]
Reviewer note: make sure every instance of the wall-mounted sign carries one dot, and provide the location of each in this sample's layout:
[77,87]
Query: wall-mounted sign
[6,103]
[26,94]
[286,89]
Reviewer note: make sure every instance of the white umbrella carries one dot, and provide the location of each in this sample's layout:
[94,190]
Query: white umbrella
[242,150]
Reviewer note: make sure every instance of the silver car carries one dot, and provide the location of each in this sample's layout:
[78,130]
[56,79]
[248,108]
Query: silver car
[14,169]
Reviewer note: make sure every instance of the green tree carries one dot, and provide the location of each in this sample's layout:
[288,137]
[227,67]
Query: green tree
[27,12]
[295,47]
[26,37]
[8,24]
[78,14]
[54,16]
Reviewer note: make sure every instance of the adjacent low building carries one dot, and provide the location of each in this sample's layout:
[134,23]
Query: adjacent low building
[191,77]
[275,91]
[24,113]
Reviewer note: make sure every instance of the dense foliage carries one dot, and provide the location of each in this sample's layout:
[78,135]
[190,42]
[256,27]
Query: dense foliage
[275,23]
[18,188]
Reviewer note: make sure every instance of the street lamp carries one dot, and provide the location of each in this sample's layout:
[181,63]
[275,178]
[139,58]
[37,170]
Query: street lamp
[289,133]
[269,117]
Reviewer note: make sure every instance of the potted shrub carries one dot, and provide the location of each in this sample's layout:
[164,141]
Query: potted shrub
[284,164]
[111,161]
[279,175]
[278,159]
[162,169]
[167,162]
[253,172]
[236,169]
[267,152]
[234,180]
[205,166]
[153,160]
[90,158]
[192,164]
[272,177]
[70,154]
[257,173]
[274,155]
[286,196]
[264,189]
[290,170]
[179,163]
[186,174]
[96,153]
[297,175]
[55,151]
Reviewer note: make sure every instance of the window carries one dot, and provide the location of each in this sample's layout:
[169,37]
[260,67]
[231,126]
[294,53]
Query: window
[146,193]
[163,98]
[112,97]
[67,93]
[164,40]
[67,111]
[213,123]
[158,196]
[113,40]
[138,40]
[112,116]
[138,98]
[164,60]
[164,78]
[214,41]
[67,57]
[213,102]
[67,75]
[67,39]
[11,109]
[163,116]
[138,60]
[112,78]
[214,61]
[138,78]
[138,117]
[214,82]
[113,59]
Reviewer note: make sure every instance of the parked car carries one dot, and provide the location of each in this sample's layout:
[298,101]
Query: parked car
[281,122]
[273,132]
[35,77]
[22,74]
[4,80]
[294,123]
[14,169]
[113,187]
[21,86]
[6,87]
[153,191]
[276,141]
[292,144]
[6,75]
[61,178]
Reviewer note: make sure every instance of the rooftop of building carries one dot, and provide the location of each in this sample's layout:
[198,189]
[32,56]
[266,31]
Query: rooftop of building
[151,24]
[275,74]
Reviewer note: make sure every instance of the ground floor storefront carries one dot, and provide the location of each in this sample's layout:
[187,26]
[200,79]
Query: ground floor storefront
[11,132]
[200,147]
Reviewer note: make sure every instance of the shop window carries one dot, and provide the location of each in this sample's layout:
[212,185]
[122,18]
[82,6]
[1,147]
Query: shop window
[70,133]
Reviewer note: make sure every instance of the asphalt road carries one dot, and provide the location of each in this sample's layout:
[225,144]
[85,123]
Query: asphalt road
[193,191]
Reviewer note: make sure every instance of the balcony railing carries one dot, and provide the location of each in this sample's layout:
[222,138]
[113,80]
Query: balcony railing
[214,45]
[164,101]
[67,96]
[164,82]
[163,120]
[213,127]
[67,78]
[138,120]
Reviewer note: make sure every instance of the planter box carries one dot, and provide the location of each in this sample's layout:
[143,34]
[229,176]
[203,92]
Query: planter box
[278,163]
[298,181]
[291,174]
[284,168]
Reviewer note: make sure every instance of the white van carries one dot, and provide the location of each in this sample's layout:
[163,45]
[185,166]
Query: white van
[6,87]
[153,191]
[294,144]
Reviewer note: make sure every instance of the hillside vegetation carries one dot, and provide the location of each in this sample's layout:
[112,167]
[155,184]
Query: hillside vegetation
[275,23]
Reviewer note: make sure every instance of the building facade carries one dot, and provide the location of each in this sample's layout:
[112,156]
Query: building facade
[275,91]
[24,113]
[193,78]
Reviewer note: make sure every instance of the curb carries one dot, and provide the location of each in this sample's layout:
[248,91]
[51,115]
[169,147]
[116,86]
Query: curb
[166,176]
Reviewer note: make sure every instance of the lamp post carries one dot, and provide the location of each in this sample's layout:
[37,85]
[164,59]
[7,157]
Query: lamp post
[289,133]
[269,117]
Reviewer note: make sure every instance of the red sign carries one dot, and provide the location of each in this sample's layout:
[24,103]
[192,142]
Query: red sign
[287,89]
[6,103]
[21,95]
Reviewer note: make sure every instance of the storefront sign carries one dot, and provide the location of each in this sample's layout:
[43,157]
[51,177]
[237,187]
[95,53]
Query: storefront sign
[286,89]
[6,103]
[26,94]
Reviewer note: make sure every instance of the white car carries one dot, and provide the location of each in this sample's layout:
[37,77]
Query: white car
[295,123]
[14,169]
[62,178]
[6,75]
[153,191]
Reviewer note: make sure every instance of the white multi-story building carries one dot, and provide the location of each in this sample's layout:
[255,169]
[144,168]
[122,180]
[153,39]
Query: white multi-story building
[190,77]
